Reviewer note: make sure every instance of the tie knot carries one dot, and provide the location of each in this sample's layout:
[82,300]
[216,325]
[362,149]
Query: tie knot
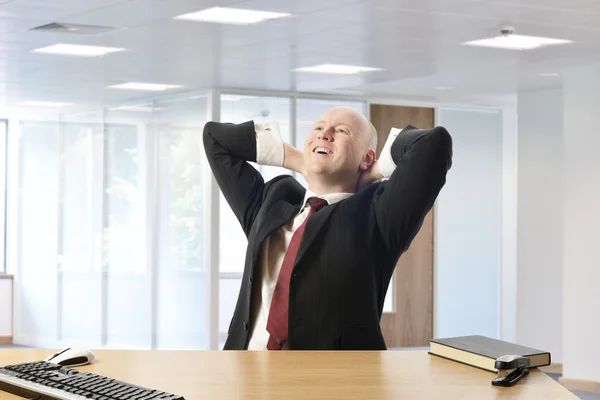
[317,203]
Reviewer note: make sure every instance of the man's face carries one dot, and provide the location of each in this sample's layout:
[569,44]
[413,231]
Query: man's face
[336,145]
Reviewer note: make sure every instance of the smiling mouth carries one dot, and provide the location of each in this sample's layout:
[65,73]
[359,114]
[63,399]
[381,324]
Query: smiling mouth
[322,150]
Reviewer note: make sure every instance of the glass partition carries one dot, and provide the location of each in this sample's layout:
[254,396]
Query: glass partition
[125,227]
[111,228]
[79,230]
[36,288]
[182,287]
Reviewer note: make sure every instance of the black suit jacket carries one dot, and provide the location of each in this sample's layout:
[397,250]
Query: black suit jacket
[349,249]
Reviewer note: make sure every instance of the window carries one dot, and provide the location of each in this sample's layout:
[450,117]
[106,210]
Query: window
[36,288]
[111,229]
[125,228]
[79,276]
[182,287]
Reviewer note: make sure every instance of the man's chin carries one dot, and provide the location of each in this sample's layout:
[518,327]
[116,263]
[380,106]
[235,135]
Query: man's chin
[320,170]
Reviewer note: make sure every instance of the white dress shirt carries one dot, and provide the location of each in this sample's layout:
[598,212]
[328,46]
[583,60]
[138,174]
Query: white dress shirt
[269,147]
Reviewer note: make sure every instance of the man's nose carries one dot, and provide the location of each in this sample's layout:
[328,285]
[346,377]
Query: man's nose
[326,134]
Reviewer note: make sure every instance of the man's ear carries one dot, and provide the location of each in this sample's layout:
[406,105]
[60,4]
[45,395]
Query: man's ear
[368,160]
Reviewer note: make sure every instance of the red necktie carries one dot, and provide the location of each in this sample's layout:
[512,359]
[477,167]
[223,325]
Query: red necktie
[277,323]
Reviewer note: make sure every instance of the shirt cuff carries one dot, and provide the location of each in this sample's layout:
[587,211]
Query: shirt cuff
[386,162]
[269,146]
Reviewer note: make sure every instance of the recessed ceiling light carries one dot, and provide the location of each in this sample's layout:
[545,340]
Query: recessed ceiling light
[517,42]
[549,74]
[235,97]
[235,16]
[32,103]
[152,87]
[135,108]
[443,88]
[336,69]
[77,50]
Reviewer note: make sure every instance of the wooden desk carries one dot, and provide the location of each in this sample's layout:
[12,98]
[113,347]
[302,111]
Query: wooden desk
[198,375]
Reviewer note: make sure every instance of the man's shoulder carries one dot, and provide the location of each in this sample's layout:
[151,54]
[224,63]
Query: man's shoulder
[369,191]
[284,187]
[364,198]
[283,179]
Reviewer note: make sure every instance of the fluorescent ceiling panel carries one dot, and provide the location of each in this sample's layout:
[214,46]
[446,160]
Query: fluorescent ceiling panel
[77,50]
[151,87]
[517,42]
[336,69]
[235,16]
[235,97]
[147,109]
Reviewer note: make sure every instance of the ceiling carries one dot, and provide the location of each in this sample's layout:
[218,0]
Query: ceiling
[416,43]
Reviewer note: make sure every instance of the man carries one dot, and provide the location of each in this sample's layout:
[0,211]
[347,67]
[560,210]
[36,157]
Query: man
[319,261]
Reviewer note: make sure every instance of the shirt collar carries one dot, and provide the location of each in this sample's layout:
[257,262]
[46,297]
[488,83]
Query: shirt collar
[331,198]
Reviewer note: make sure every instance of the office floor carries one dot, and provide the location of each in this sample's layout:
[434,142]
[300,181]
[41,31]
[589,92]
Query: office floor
[581,395]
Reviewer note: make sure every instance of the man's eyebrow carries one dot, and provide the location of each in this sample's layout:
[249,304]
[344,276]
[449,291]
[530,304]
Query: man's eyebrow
[346,125]
[339,123]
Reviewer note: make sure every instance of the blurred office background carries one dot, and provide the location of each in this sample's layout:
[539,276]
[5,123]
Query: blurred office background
[117,236]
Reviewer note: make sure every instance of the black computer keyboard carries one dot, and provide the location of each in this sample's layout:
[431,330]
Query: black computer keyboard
[47,381]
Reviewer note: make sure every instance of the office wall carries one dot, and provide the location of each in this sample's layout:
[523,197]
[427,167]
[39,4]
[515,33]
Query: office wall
[582,219]
[468,227]
[540,220]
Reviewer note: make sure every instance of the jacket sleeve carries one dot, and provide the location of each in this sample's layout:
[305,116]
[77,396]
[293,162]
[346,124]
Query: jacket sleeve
[422,158]
[229,149]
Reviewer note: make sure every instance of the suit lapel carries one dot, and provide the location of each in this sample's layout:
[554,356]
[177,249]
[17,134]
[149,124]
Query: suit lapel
[280,214]
[274,218]
[277,216]
[312,229]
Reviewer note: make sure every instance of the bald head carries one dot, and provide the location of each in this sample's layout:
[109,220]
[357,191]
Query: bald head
[362,127]
[341,145]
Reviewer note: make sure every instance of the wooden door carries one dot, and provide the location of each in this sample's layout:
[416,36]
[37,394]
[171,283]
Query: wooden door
[410,324]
